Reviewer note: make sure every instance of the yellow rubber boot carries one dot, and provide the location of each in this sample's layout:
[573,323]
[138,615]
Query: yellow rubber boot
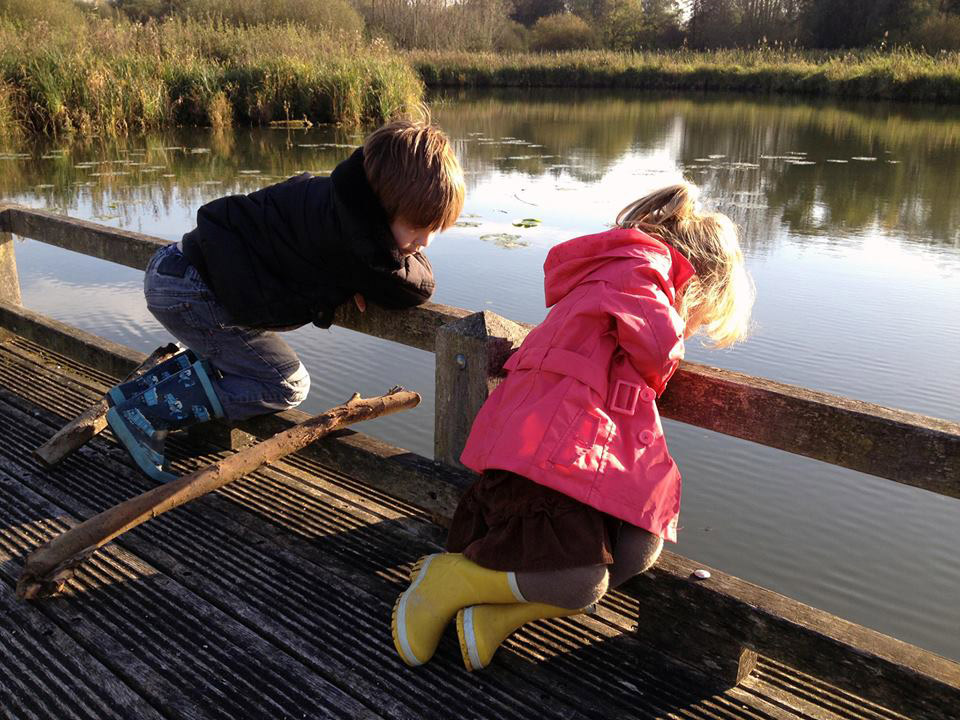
[440,585]
[482,628]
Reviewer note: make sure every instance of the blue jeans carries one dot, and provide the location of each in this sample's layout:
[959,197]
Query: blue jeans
[258,372]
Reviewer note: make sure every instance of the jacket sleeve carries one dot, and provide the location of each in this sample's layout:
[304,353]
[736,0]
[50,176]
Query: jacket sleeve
[647,328]
[410,285]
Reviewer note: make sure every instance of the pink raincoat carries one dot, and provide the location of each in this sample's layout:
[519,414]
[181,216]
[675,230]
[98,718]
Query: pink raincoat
[577,411]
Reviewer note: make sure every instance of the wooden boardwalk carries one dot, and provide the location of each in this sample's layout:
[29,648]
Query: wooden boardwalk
[272,598]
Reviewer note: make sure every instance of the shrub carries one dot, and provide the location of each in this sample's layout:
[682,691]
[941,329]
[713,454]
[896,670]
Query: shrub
[563,31]
[513,38]
[937,33]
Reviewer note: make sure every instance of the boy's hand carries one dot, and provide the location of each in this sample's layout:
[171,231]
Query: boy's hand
[361,303]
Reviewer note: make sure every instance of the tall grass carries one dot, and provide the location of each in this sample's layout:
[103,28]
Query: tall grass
[900,74]
[109,78]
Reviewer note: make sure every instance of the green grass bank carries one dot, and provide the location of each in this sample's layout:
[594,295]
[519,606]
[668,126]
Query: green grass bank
[110,78]
[873,74]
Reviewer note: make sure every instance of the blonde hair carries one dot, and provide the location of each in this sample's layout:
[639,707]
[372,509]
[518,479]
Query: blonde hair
[719,299]
[411,167]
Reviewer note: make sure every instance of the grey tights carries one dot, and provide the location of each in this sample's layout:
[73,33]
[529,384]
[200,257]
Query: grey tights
[636,551]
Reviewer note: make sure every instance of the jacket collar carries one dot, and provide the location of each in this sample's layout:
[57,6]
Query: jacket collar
[365,226]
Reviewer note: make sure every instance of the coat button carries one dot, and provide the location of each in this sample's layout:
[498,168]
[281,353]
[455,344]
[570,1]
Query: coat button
[648,395]
[646,437]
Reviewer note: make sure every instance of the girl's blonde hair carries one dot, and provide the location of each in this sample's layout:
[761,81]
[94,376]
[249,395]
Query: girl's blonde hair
[719,299]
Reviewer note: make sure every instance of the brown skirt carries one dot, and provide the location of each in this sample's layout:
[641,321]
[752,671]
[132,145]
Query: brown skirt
[506,522]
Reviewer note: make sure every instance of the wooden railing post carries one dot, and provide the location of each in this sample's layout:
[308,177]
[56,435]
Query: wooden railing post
[470,353]
[9,278]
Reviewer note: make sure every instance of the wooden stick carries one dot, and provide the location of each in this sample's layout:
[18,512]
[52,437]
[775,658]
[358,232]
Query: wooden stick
[49,567]
[93,420]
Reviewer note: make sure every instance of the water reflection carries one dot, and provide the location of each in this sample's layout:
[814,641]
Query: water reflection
[815,167]
[790,159]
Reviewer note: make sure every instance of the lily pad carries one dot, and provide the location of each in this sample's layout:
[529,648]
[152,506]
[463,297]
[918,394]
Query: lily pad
[467,223]
[505,240]
[527,222]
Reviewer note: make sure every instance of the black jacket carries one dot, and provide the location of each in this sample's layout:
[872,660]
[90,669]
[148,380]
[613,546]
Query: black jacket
[290,253]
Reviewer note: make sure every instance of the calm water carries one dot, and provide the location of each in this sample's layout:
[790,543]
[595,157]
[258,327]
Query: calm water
[851,227]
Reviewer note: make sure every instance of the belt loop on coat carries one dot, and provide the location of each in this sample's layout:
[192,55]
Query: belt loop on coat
[624,397]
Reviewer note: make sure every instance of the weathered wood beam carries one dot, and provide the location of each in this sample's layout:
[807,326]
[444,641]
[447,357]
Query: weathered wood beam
[470,354]
[9,277]
[120,246]
[416,327]
[110,357]
[897,445]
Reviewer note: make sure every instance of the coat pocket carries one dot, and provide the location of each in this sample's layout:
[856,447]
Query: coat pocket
[577,440]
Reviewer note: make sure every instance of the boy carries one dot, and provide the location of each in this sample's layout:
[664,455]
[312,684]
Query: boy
[276,259]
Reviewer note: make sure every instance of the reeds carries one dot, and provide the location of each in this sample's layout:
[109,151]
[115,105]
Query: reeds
[112,77]
[899,74]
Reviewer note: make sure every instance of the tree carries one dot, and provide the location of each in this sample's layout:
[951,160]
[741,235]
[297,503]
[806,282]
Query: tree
[713,23]
[564,31]
[662,21]
[527,12]
[857,23]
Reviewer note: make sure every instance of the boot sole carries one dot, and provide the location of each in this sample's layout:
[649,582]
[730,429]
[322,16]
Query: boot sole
[398,621]
[133,448]
[468,641]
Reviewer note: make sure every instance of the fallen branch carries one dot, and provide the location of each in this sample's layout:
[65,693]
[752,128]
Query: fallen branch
[49,567]
[93,420]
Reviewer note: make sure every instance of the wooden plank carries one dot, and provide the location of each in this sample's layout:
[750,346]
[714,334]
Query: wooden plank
[110,357]
[902,446]
[725,609]
[416,327]
[119,246]
[173,648]
[46,673]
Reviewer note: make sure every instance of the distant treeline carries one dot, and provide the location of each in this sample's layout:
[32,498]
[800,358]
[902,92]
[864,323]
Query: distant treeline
[549,25]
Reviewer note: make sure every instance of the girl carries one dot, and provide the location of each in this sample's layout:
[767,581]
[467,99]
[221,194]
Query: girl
[578,490]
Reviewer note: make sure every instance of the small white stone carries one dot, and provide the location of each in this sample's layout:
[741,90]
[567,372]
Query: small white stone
[701,574]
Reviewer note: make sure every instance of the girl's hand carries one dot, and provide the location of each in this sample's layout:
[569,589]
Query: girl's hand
[361,302]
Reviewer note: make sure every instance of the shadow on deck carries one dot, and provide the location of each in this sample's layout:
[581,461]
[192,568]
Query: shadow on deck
[272,597]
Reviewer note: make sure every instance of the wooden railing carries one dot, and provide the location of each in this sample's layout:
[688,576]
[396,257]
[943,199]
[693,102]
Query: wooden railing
[718,624]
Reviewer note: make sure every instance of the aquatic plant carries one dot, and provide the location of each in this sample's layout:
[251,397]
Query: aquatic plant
[112,77]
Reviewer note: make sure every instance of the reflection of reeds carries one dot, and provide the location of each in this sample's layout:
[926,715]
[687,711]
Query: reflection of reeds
[113,77]
[899,74]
